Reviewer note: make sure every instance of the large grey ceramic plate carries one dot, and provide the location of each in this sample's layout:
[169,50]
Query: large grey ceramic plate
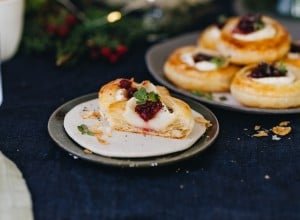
[158,54]
[58,134]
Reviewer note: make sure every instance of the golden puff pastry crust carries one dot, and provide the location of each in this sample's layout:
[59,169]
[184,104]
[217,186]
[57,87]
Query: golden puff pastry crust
[243,52]
[180,125]
[293,61]
[252,93]
[112,92]
[190,78]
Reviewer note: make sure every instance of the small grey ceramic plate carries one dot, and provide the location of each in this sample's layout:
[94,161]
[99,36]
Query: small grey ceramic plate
[159,53]
[60,137]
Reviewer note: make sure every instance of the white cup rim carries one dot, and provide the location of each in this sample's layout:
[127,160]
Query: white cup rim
[7,2]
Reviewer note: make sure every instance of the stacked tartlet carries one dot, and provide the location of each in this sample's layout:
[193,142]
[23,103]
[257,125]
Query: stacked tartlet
[250,56]
[144,108]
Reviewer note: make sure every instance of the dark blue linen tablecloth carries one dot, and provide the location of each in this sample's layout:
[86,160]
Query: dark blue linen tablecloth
[238,177]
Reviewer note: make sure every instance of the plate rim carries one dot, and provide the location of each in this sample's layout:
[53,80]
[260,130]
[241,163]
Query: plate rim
[61,138]
[185,38]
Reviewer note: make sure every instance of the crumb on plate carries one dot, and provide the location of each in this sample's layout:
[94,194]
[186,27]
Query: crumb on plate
[201,119]
[281,130]
[261,134]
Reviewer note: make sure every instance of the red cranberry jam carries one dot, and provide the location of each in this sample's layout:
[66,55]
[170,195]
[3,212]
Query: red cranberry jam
[148,110]
[267,70]
[248,24]
[201,57]
[127,84]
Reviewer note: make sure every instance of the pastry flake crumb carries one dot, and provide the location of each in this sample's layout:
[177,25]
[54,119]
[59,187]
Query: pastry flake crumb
[87,151]
[281,130]
[96,130]
[257,127]
[101,140]
[201,119]
[284,123]
[261,133]
[90,114]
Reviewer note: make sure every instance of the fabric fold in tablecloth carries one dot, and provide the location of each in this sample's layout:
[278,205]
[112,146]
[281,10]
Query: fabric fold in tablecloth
[15,199]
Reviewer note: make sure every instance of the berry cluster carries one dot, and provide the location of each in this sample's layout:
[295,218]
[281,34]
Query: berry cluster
[267,70]
[127,84]
[148,110]
[61,27]
[111,54]
[201,57]
[249,23]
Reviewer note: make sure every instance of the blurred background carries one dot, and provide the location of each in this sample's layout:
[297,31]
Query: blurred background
[68,32]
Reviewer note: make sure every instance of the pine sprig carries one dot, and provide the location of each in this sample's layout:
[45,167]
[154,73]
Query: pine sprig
[53,27]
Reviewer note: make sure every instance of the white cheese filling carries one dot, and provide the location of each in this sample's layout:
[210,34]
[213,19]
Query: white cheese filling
[160,121]
[277,80]
[201,66]
[121,95]
[267,32]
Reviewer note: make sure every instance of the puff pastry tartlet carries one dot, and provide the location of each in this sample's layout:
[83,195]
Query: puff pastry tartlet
[252,39]
[150,110]
[274,86]
[199,69]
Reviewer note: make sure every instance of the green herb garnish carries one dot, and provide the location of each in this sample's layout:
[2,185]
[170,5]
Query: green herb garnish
[218,61]
[207,95]
[258,25]
[143,96]
[222,19]
[282,67]
[84,130]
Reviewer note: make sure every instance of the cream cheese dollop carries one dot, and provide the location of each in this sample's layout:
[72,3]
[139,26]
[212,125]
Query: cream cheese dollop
[214,32]
[120,94]
[161,120]
[289,78]
[201,66]
[267,32]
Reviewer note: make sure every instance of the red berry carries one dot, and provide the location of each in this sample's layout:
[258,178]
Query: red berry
[121,49]
[105,51]
[113,58]
[125,84]
[71,20]
[51,28]
[63,30]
